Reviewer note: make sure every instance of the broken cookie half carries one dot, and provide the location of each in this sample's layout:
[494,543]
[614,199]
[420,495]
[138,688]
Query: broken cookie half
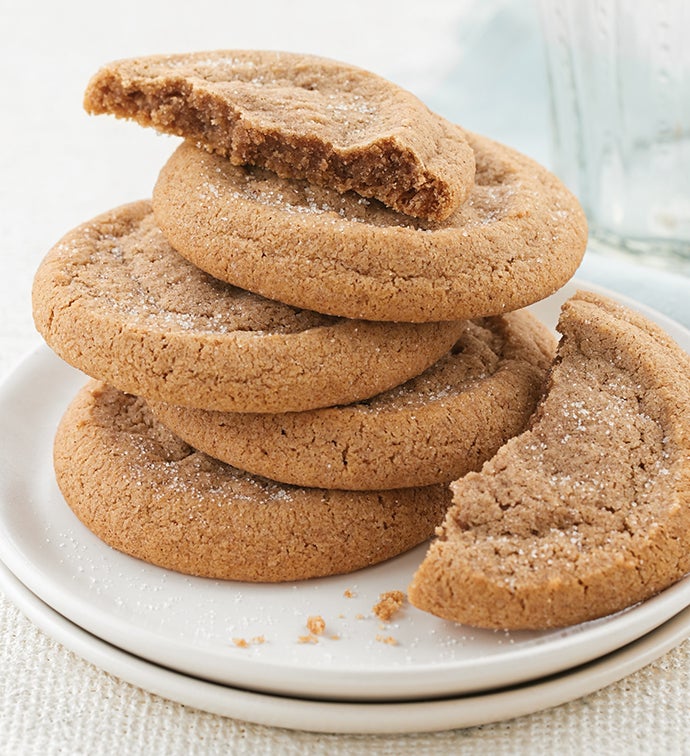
[300,116]
[587,512]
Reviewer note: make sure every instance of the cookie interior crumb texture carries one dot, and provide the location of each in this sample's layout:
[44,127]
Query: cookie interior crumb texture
[587,512]
[389,604]
[299,116]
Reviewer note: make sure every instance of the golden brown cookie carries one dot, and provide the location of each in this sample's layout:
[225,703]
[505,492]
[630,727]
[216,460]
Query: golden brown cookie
[116,301]
[300,116]
[433,429]
[588,512]
[518,238]
[146,493]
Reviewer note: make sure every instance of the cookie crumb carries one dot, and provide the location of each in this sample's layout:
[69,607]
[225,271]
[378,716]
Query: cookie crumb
[359,616]
[388,604]
[316,624]
[348,593]
[257,640]
[311,638]
[387,639]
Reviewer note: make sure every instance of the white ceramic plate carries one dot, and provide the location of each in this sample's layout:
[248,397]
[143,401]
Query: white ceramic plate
[189,624]
[340,717]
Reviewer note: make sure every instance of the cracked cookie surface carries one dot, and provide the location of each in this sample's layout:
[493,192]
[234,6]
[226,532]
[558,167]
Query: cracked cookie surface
[146,493]
[434,428]
[518,238]
[116,301]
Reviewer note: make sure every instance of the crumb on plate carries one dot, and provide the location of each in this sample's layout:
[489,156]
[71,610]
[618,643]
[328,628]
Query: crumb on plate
[388,639]
[316,624]
[388,604]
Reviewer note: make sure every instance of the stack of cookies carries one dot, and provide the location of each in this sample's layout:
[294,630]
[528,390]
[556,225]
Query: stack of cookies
[310,332]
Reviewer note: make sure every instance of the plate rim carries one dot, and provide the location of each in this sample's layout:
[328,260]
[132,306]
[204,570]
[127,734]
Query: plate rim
[338,717]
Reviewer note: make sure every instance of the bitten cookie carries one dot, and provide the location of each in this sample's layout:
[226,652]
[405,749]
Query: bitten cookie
[144,492]
[433,429]
[116,301]
[588,511]
[300,116]
[518,238]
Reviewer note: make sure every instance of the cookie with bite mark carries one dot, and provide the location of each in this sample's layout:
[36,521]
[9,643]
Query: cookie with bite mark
[300,116]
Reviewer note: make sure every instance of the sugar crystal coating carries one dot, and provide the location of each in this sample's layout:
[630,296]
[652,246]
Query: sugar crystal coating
[146,493]
[587,512]
[116,301]
[299,116]
[432,429]
[518,238]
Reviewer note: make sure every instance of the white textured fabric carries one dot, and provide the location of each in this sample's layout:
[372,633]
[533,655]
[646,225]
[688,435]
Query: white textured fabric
[59,168]
[52,702]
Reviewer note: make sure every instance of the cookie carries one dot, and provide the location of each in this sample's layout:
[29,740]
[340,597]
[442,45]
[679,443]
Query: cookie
[588,512]
[433,429]
[518,238]
[299,116]
[145,492]
[116,301]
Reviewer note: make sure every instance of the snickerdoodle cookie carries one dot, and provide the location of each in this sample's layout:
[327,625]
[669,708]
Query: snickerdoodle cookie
[588,512]
[434,428]
[116,301]
[300,116]
[146,493]
[518,237]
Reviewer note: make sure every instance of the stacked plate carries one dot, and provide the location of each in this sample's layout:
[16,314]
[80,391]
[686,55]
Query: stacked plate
[244,650]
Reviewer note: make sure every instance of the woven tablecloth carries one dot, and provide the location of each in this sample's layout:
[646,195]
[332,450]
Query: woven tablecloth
[476,62]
